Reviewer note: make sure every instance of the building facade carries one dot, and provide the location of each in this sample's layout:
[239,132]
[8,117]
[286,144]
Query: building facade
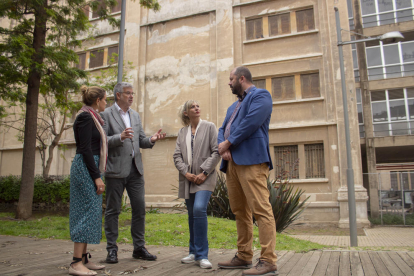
[187,50]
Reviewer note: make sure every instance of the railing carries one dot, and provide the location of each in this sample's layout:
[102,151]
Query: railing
[395,194]
[385,129]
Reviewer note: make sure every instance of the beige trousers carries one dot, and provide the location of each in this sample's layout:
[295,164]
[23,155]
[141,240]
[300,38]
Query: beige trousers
[248,193]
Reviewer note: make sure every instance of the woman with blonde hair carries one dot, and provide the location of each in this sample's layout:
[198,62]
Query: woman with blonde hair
[196,157]
[86,185]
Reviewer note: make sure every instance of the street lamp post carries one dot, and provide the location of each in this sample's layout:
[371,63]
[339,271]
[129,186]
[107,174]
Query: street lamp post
[395,36]
[121,42]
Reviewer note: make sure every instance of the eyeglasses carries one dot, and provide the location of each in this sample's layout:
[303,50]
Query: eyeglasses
[129,93]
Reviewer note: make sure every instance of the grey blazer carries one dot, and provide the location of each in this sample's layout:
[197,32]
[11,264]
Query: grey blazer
[120,153]
[205,158]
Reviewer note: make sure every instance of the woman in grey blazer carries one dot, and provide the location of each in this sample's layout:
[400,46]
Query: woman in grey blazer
[196,157]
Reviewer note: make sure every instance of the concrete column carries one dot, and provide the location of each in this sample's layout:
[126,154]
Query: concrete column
[367,113]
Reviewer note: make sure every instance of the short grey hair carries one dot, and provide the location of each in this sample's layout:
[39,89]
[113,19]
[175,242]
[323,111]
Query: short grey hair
[119,87]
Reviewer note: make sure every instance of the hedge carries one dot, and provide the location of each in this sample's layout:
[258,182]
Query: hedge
[51,190]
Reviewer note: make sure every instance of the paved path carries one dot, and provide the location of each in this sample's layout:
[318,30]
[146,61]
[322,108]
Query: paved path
[377,237]
[28,256]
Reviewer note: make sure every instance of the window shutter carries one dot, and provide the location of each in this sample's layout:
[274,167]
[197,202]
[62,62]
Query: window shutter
[96,59]
[283,88]
[86,11]
[273,25]
[305,20]
[112,50]
[82,59]
[285,20]
[258,28]
[117,8]
[95,13]
[310,86]
[250,29]
[260,83]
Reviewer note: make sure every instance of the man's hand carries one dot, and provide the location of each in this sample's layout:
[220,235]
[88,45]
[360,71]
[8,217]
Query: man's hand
[158,136]
[127,133]
[223,146]
[226,155]
[190,177]
[200,178]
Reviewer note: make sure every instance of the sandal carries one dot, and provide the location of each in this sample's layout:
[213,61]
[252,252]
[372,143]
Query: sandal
[73,271]
[91,265]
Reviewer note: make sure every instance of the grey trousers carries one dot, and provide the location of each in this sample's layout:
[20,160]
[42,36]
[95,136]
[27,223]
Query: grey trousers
[135,186]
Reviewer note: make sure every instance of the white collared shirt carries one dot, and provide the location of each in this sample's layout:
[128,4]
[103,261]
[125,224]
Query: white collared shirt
[127,120]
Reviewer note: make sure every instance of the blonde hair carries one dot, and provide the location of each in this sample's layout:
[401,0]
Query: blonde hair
[185,120]
[91,94]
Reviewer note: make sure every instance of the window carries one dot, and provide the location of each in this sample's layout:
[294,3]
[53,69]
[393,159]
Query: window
[117,8]
[402,179]
[86,11]
[310,85]
[315,164]
[286,158]
[287,88]
[283,88]
[391,60]
[96,58]
[288,165]
[82,61]
[350,15]
[305,20]
[279,24]
[383,12]
[360,113]
[254,28]
[260,83]
[112,55]
[393,112]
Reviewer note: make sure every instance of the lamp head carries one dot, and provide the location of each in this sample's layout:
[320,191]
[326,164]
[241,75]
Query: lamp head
[391,37]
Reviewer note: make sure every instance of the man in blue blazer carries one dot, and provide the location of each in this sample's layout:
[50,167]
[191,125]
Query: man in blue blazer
[244,146]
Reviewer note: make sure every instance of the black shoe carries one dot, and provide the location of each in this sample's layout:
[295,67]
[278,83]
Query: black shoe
[112,257]
[142,253]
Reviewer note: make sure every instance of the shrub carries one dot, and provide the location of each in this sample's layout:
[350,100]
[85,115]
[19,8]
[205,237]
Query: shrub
[49,190]
[285,200]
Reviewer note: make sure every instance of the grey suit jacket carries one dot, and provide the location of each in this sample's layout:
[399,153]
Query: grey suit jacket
[205,158]
[120,153]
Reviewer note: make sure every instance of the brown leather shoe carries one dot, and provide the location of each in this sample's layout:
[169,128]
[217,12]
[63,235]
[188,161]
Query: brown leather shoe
[235,263]
[262,268]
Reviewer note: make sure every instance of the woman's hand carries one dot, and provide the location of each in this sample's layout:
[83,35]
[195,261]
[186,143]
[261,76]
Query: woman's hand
[100,186]
[190,177]
[200,178]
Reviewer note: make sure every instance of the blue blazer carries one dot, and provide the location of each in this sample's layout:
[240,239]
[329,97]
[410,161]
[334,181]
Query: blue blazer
[249,132]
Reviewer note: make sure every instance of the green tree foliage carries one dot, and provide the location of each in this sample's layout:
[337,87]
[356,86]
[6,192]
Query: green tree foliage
[37,56]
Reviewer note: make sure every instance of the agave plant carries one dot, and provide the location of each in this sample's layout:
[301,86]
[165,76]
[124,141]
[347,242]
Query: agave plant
[285,203]
[219,204]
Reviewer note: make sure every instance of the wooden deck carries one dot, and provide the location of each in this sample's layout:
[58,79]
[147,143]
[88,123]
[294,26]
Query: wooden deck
[29,256]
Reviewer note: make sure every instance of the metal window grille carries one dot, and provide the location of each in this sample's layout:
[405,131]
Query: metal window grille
[260,83]
[96,59]
[286,161]
[315,163]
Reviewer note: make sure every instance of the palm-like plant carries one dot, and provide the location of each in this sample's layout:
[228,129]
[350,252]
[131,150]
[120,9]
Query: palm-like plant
[219,204]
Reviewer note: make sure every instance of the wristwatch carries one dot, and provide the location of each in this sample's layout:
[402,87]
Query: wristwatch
[205,173]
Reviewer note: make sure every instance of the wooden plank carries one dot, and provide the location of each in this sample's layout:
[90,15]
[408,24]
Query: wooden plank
[333,265]
[391,266]
[356,267]
[322,264]
[297,269]
[287,267]
[367,265]
[285,259]
[344,264]
[411,254]
[379,266]
[407,259]
[312,263]
[401,264]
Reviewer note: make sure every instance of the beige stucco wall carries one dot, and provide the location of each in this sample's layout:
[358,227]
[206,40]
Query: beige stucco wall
[187,50]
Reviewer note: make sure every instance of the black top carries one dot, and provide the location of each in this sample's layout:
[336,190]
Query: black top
[88,141]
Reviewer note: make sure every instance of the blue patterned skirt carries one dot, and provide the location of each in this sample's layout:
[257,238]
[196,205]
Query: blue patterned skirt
[85,214]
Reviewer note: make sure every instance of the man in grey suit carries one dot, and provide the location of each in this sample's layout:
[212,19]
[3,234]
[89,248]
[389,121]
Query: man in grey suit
[124,170]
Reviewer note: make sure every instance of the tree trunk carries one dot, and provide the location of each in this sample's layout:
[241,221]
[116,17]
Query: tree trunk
[24,207]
